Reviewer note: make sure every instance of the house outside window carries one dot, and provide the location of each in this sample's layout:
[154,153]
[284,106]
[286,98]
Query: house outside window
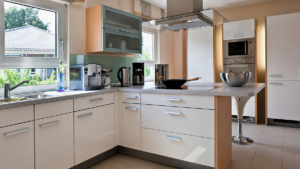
[149,52]
[31,45]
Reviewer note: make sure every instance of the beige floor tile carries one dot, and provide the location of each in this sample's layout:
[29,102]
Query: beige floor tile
[238,165]
[290,160]
[260,162]
[254,129]
[243,153]
[293,133]
[141,164]
[291,145]
[164,167]
[273,134]
[269,149]
[115,162]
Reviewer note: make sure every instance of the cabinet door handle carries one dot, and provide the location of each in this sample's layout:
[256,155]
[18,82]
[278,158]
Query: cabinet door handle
[17,132]
[173,112]
[275,75]
[49,124]
[131,108]
[276,83]
[85,115]
[174,99]
[98,99]
[130,97]
[173,138]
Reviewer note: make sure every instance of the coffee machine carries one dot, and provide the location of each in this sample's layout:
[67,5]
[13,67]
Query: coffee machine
[85,77]
[138,73]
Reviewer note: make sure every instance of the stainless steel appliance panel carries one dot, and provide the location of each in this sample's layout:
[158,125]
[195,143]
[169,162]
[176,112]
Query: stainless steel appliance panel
[239,48]
[161,70]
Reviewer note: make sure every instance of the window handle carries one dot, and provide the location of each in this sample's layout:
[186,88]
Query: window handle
[62,45]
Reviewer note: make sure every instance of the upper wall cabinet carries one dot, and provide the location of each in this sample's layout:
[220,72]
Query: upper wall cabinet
[112,30]
[239,29]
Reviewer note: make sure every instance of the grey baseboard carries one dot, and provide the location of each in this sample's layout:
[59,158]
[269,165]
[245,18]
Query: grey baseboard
[284,123]
[97,159]
[171,162]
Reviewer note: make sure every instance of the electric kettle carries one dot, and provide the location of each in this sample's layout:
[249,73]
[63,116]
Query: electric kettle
[124,76]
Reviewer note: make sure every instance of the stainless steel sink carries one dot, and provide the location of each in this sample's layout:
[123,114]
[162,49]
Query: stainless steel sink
[38,96]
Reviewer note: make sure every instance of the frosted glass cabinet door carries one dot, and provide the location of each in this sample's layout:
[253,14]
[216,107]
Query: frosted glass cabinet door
[121,42]
[283,47]
[121,21]
[54,142]
[17,146]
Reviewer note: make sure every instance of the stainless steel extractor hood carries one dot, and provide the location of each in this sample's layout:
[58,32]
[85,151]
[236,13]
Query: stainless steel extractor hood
[184,14]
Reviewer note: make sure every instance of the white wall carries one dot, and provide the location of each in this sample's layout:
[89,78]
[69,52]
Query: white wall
[201,54]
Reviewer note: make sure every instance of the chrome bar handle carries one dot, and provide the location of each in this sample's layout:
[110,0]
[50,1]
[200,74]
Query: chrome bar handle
[130,97]
[17,132]
[173,112]
[49,124]
[174,99]
[98,99]
[276,83]
[276,75]
[131,108]
[85,115]
[173,138]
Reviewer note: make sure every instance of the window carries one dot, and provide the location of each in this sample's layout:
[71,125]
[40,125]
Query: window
[149,52]
[33,35]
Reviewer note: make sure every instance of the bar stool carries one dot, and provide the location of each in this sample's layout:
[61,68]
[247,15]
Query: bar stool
[240,105]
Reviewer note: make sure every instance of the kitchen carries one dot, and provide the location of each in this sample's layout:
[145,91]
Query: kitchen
[135,122]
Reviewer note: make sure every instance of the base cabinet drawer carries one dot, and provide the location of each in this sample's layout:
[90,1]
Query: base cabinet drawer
[179,120]
[17,146]
[194,101]
[131,97]
[93,101]
[183,147]
[94,132]
[16,115]
[132,126]
[283,100]
[54,146]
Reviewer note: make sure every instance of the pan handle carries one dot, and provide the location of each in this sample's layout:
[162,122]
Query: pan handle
[193,79]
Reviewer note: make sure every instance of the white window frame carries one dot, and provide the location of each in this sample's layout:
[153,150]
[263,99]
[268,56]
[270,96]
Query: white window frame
[35,62]
[155,52]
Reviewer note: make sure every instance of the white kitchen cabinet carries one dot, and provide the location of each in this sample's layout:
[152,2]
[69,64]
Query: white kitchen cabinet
[17,146]
[16,115]
[54,144]
[239,30]
[93,101]
[179,146]
[283,47]
[94,132]
[179,120]
[283,100]
[131,97]
[132,126]
[249,109]
[53,108]
[194,101]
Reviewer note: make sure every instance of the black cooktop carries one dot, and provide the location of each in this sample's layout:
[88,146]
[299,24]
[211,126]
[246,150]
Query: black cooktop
[203,88]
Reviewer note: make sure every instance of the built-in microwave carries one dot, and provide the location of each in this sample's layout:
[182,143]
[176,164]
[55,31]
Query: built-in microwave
[239,48]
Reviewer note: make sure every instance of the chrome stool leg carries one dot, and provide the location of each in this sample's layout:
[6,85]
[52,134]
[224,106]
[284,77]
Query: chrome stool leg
[240,105]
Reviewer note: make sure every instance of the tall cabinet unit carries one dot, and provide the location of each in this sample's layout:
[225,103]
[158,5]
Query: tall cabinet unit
[283,68]
[112,30]
[237,31]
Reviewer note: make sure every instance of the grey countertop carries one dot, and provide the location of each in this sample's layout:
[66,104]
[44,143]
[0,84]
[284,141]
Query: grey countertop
[212,89]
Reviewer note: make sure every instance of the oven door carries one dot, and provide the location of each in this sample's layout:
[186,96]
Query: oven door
[241,68]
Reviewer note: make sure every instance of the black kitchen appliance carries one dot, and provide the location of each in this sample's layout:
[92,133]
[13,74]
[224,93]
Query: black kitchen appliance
[138,73]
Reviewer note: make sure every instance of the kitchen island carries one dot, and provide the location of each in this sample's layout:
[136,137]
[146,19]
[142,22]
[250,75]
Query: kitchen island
[191,126]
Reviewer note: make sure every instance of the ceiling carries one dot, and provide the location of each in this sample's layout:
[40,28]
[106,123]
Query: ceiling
[215,4]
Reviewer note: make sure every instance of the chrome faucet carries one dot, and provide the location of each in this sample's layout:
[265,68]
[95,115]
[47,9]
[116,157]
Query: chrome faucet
[7,88]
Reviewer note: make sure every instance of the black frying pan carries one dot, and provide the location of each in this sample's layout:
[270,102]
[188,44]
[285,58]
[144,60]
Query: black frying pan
[175,83]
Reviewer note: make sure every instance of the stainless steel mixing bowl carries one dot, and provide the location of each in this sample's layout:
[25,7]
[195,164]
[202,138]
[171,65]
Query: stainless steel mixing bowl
[235,79]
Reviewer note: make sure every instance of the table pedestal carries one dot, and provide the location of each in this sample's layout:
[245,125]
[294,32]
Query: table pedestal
[240,105]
